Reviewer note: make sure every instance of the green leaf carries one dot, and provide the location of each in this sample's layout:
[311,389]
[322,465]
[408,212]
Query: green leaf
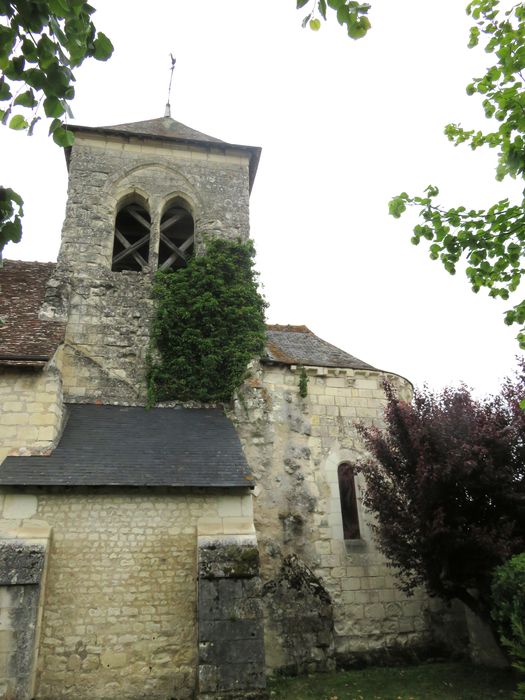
[18,122]
[54,125]
[10,231]
[59,7]
[26,99]
[29,50]
[53,107]
[63,137]
[301,3]
[343,15]
[322,8]
[5,92]
[103,48]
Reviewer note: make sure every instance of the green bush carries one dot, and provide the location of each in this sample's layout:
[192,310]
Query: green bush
[209,323]
[508,595]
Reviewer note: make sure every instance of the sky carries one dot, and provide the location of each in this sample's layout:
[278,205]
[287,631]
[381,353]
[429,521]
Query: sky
[343,125]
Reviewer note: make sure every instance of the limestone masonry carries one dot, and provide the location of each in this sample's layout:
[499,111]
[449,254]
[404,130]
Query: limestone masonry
[187,551]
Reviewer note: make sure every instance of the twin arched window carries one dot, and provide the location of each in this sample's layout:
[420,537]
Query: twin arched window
[348,496]
[136,242]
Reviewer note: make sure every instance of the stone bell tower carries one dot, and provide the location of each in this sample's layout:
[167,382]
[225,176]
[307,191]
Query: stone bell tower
[142,197]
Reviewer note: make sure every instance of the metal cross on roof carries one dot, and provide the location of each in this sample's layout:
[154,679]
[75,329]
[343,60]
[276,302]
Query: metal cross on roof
[167,112]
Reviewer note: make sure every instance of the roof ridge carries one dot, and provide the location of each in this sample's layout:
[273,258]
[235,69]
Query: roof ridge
[288,328]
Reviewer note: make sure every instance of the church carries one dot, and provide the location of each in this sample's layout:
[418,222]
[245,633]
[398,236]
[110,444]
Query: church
[185,551]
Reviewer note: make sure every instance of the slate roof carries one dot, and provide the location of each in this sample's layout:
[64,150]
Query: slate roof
[164,127]
[297,345]
[24,338]
[168,129]
[130,446]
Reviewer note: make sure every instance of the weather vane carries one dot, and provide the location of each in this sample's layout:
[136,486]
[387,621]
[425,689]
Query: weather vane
[167,112]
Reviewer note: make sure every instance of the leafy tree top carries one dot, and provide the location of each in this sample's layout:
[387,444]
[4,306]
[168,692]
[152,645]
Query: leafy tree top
[491,240]
[446,483]
[41,42]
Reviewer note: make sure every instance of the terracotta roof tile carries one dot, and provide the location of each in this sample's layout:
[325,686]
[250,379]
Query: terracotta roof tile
[24,338]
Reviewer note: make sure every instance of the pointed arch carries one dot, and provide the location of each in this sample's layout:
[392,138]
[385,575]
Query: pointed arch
[177,234]
[131,242]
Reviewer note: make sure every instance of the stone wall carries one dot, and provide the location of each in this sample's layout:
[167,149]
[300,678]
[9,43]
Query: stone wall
[231,639]
[31,409]
[109,313]
[23,555]
[294,446]
[121,595]
[213,181]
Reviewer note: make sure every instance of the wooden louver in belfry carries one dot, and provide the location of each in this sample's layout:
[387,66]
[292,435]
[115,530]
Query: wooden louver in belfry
[132,239]
[176,238]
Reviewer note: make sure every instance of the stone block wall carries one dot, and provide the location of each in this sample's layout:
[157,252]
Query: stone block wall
[121,595]
[107,337]
[214,181]
[294,446]
[231,639]
[31,410]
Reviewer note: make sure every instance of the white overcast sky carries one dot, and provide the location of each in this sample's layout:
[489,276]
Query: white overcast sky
[344,126]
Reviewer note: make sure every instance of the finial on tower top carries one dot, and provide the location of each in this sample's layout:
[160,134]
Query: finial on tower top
[167,111]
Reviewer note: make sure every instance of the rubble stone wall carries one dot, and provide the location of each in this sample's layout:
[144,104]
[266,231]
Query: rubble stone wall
[109,313]
[294,446]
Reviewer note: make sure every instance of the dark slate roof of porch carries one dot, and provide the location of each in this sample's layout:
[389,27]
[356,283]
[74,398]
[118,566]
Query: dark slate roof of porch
[130,446]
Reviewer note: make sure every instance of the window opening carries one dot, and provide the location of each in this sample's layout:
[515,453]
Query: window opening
[132,236]
[348,496]
[176,238]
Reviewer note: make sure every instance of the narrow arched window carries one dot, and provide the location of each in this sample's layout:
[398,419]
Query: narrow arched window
[132,238]
[348,495]
[176,238]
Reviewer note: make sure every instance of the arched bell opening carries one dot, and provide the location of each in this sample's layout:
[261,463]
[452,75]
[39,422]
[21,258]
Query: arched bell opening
[176,245]
[132,236]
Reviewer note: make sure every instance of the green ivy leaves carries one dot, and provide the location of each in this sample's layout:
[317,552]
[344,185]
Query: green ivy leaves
[40,43]
[208,325]
[350,14]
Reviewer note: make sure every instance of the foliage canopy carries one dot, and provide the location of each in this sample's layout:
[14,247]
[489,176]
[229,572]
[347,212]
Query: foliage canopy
[491,240]
[41,42]
[209,324]
[447,486]
[350,14]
